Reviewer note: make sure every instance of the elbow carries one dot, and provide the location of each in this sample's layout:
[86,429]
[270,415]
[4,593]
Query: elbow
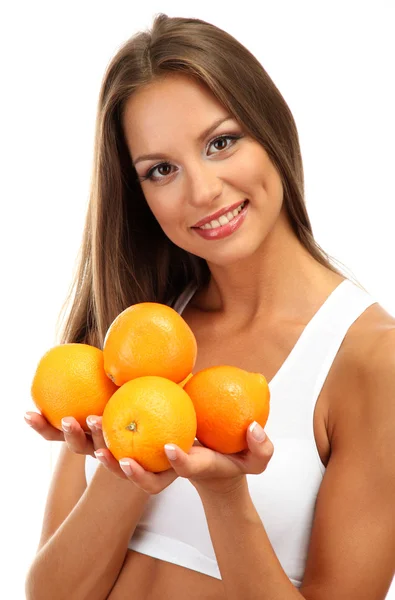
[33,591]
[37,586]
[40,585]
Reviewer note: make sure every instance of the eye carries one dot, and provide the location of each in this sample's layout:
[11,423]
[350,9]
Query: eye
[149,175]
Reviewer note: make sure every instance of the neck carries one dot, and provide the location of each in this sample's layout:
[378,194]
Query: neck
[282,280]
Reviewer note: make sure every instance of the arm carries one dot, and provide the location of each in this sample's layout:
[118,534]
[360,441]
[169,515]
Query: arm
[249,567]
[85,537]
[352,547]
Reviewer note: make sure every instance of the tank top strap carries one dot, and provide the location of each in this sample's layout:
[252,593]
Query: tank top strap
[298,383]
[185,296]
[350,304]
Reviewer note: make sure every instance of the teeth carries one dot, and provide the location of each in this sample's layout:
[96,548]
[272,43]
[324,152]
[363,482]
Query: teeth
[224,219]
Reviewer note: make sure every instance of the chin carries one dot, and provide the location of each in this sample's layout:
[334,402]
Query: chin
[229,254]
[223,252]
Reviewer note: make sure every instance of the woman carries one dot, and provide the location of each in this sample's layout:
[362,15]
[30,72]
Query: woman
[197,201]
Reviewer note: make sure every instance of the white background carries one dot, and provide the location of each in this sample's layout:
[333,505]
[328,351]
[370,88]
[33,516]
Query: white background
[333,63]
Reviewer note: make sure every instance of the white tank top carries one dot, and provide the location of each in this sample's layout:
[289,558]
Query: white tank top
[173,526]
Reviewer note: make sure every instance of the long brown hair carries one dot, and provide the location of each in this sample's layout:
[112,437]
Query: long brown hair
[125,257]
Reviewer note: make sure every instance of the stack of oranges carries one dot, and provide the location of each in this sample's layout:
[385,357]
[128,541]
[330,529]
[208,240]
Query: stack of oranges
[142,385]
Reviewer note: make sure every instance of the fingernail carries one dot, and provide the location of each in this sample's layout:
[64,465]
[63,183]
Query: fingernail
[100,457]
[28,419]
[257,431]
[126,468]
[66,426]
[170,452]
[92,424]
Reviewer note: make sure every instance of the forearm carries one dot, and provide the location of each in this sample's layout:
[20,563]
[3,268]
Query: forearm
[83,558]
[249,567]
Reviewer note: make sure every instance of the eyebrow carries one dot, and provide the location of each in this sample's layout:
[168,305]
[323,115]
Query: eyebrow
[200,138]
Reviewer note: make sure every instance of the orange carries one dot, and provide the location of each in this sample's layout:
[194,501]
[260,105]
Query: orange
[227,400]
[70,381]
[143,415]
[149,338]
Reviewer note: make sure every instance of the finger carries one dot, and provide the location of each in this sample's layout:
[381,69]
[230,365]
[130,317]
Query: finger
[260,446]
[196,462]
[108,460]
[94,423]
[152,483]
[203,463]
[75,437]
[45,429]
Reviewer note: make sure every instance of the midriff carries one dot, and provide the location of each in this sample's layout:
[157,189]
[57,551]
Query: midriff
[146,578]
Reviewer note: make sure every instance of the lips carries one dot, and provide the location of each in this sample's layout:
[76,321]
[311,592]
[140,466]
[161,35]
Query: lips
[216,215]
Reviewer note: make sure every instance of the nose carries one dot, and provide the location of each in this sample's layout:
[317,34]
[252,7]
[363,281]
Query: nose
[203,184]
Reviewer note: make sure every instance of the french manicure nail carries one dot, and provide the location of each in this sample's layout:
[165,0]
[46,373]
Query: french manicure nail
[170,452]
[92,424]
[257,432]
[126,468]
[100,457]
[66,426]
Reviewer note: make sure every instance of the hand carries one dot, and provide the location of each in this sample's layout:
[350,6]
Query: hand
[206,469]
[76,438]
[91,443]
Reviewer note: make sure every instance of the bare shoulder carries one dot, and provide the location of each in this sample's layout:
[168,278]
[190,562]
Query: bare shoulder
[374,324]
[364,338]
[375,336]
[364,374]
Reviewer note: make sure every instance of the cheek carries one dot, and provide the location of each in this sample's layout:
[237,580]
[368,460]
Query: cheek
[252,173]
[162,209]
[162,214]
[169,216]
[264,182]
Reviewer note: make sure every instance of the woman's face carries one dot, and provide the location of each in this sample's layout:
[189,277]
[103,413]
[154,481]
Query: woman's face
[192,175]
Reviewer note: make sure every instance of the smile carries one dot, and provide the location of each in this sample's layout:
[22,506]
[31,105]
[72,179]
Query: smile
[224,219]
[225,225]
